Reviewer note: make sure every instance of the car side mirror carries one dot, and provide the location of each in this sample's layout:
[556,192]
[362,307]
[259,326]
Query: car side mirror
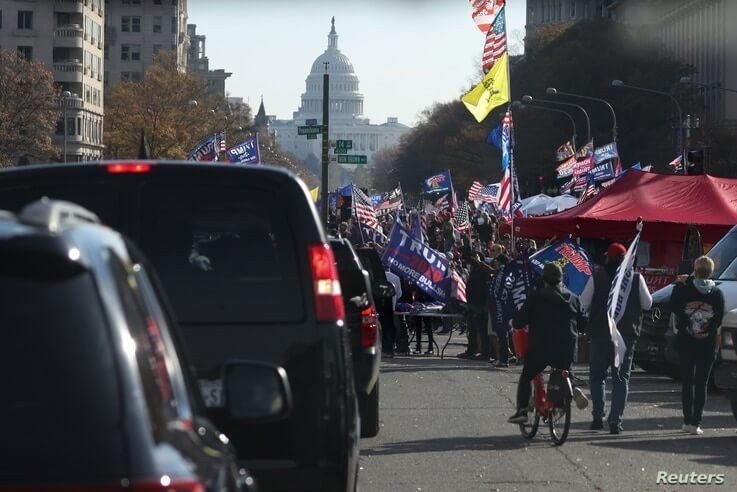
[384,289]
[256,391]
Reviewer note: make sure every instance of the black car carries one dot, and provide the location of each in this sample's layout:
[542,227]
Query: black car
[249,273]
[364,328]
[96,394]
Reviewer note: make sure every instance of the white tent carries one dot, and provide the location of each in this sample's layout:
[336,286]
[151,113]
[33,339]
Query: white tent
[543,204]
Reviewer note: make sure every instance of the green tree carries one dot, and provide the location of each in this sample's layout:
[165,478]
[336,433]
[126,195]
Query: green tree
[29,110]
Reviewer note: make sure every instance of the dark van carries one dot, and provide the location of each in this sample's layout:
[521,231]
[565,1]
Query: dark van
[249,273]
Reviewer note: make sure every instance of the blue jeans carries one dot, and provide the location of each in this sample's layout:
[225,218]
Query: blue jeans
[602,358]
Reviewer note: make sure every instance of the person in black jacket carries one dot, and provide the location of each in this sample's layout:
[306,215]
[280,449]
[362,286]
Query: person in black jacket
[551,314]
[477,287]
[594,302]
[698,306]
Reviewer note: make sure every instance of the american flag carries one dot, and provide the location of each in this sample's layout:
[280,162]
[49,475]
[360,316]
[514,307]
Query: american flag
[442,203]
[474,190]
[221,142]
[496,42]
[364,209]
[589,191]
[460,217]
[506,190]
[485,11]
[490,193]
[460,285]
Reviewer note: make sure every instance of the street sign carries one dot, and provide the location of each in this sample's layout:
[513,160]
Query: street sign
[309,130]
[332,158]
[312,136]
[341,150]
[311,122]
[352,159]
[343,144]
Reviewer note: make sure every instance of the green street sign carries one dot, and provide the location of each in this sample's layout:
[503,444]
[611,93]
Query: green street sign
[352,159]
[312,136]
[309,130]
[341,150]
[343,144]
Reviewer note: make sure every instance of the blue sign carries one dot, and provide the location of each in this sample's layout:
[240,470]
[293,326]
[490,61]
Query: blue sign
[572,259]
[438,183]
[246,152]
[509,291]
[206,150]
[347,190]
[606,153]
[602,172]
[416,262]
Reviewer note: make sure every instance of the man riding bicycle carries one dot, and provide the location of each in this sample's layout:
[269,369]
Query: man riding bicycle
[550,313]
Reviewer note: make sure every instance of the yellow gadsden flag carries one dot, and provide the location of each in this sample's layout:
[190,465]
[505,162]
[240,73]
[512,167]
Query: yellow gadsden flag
[492,92]
[315,193]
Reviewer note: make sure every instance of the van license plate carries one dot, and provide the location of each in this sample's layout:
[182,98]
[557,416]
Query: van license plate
[212,392]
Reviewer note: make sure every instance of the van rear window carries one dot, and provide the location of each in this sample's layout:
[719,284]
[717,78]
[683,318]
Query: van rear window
[225,254]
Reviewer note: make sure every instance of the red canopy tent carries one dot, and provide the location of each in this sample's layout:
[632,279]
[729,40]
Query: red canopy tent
[667,204]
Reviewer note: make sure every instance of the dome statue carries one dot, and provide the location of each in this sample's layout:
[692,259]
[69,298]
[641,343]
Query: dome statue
[346,102]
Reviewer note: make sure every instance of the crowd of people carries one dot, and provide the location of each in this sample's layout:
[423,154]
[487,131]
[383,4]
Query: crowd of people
[553,316]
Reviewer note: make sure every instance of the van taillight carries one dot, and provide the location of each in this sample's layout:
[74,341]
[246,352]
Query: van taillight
[128,168]
[326,285]
[369,328]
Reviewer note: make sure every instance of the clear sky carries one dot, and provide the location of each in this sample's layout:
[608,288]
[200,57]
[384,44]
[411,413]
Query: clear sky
[407,54]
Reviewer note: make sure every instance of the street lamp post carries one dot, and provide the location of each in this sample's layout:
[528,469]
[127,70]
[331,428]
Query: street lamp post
[555,92]
[64,96]
[519,105]
[529,99]
[619,83]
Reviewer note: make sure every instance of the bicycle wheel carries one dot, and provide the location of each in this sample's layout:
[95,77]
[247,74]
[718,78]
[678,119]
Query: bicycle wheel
[560,423]
[529,428]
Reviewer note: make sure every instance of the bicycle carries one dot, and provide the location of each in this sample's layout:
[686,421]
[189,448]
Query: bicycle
[553,405]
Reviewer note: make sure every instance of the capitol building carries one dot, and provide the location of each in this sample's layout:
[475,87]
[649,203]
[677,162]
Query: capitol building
[346,112]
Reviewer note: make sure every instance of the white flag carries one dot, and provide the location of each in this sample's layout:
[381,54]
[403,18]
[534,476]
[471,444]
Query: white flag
[618,296]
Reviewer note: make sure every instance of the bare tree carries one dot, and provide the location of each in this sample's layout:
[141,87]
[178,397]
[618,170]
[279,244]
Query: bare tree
[29,110]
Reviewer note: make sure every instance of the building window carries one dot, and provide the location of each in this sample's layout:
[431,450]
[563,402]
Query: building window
[25,52]
[125,52]
[157,23]
[70,125]
[573,9]
[25,19]
[135,24]
[135,52]
[173,25]
[1,19]
[125,24]
[157,48]
[125,75]
[157,2]
[107,52]
[136,76]
[79,126]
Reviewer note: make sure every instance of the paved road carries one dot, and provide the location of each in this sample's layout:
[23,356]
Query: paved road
[443,428]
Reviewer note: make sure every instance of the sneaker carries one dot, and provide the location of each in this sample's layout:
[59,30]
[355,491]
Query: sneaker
[429,352]
[520,417]
[501,365]
[597,425]
[417,352]
[687,428]
[696,430]
[580,399]
[615,429]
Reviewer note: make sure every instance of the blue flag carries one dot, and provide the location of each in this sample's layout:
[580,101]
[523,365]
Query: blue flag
[371,235]
[602,172]
[607,152]
[246,152]
[637,166]
[437,183]
[495,136]
[415,227]
[206,150]
[416,262]
[347,190]
[573,260]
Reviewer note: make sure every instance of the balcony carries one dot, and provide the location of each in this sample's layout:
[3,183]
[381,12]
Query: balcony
[71,6]
[68,71]
[68,36]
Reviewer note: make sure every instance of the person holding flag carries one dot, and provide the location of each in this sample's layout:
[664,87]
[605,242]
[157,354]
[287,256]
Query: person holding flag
[614,299]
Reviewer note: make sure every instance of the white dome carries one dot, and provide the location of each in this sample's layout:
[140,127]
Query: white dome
[345,99]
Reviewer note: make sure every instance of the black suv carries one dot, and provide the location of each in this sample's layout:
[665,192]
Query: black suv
[249,273]
[96,395]
[365,332]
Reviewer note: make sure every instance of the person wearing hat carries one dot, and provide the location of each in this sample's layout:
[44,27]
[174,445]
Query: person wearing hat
[594,300]
[551,315]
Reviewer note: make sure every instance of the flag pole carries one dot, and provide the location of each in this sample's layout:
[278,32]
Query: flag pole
[511,132]
[355,212]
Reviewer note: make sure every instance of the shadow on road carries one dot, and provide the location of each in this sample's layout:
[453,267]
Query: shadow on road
[449,444]
[717,450]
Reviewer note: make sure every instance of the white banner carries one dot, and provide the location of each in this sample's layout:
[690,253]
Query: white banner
[618,296]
